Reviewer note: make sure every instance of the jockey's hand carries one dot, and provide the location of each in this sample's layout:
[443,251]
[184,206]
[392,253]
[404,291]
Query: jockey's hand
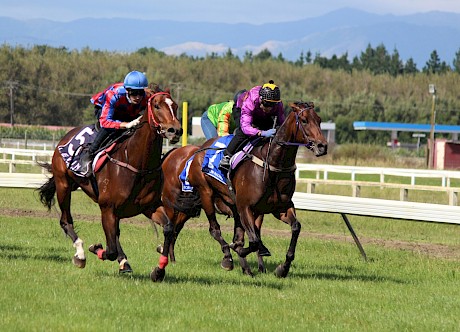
[268,133]
[133,123]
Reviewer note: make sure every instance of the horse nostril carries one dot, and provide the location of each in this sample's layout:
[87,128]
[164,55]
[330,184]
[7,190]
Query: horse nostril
[180,132]
[171,130]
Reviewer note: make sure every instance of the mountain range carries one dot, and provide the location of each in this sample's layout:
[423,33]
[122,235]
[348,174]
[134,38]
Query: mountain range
[342,31]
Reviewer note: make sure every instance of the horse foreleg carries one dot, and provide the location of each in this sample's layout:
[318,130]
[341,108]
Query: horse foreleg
[263,250]
[248,223]
[238,243]
[160,217]
[110,224]
[290,218]
[158,273]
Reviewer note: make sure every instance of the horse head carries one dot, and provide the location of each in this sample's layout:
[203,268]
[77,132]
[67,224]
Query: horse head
[162,114]
[304,125]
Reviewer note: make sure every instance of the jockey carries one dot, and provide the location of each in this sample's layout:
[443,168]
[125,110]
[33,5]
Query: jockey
[116,108]
[218,119]
[258,107]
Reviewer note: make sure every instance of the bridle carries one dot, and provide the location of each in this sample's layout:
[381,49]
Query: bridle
[299,127]
[154,124]
[151,115]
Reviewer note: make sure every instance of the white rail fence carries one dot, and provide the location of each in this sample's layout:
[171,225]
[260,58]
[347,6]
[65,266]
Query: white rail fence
[13,157]
[322,176]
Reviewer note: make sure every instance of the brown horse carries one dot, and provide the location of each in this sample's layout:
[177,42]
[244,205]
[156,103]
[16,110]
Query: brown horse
[263,183]
[128,184]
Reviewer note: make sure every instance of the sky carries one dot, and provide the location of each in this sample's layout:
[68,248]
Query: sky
[227,11]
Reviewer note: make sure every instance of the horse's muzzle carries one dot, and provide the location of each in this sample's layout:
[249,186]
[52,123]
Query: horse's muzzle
[174,134]
[320,149]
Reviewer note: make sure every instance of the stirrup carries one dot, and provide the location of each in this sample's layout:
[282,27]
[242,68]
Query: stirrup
[86,160]
[225,162]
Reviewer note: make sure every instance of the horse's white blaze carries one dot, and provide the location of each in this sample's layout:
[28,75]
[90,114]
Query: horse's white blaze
[78,244]
[170,103]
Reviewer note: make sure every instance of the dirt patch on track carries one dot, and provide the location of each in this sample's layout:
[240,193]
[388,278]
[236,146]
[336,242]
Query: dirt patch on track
[430,249]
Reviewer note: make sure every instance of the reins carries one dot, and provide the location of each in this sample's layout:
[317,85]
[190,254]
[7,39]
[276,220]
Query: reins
[152,122]
[265,164]
[308,144]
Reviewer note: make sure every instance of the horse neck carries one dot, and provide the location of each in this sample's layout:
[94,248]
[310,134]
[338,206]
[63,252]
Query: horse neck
[281,156]
[147,145]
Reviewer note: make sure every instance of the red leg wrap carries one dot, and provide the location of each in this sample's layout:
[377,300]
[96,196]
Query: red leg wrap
[99,253]
[163,262]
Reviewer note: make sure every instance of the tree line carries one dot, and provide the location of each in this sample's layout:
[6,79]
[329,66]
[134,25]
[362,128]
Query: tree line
[43,85]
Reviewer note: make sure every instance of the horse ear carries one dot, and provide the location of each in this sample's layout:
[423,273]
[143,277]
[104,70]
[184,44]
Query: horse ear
[154,87]
[168,90]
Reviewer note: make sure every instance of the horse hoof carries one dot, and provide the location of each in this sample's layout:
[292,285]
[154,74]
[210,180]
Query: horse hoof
[80,263]
[159,249]
[227,264]
[157,274]
[248,273]
[281,272]
[126,268]
[95,247]
[263,251]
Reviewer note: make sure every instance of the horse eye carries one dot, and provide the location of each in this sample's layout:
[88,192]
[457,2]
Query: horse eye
[157,106]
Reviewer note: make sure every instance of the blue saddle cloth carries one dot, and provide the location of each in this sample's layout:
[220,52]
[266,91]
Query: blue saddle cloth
[210,164]
[183,176]
[212,159]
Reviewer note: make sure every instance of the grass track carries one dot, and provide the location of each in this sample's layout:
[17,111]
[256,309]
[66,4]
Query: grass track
[329,287]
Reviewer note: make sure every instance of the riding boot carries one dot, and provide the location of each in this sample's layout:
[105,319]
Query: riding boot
[85,162]
[88,155]
[232,148]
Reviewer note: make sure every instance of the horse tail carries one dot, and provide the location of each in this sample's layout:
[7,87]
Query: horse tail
[48,189]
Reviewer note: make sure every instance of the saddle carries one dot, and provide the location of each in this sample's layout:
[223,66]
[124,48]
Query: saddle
[212,157]
[72,150]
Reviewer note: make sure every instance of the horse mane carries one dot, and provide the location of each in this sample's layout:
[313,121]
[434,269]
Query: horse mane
[304,104]
[155,88]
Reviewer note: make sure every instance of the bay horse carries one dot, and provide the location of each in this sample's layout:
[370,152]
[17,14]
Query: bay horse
[128,184]
[262,184]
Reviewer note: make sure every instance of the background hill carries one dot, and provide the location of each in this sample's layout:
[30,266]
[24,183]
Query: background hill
[336,33]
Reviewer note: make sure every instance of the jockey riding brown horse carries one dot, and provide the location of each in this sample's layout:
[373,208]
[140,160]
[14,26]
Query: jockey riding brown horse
[263,183]
[128,184]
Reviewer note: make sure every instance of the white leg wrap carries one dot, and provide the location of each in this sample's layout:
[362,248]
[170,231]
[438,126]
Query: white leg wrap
[78,244]
[123,261]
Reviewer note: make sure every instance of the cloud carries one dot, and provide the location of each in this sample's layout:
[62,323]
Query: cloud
[198,48]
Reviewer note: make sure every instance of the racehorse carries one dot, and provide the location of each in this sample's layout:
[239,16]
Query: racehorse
[263,183]
[128,184]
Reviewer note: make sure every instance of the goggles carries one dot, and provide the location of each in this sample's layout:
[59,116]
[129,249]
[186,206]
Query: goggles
[267,103]
[136,92]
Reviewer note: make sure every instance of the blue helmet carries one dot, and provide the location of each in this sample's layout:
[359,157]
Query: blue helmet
[135,80]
